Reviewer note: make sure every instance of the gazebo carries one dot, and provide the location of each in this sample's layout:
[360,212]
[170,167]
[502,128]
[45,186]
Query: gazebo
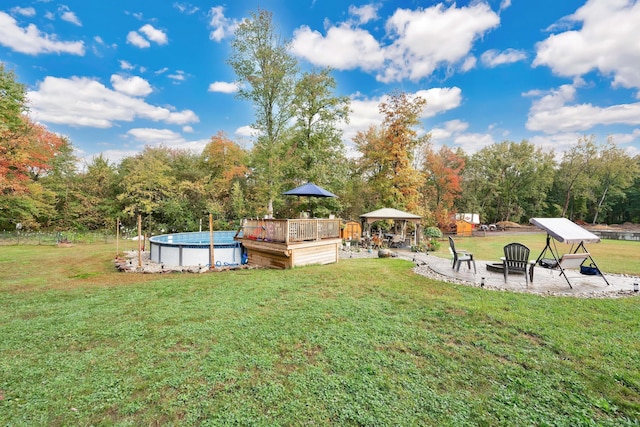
[395,215]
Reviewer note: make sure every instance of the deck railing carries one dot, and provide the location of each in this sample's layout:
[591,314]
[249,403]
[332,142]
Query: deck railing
[290,230]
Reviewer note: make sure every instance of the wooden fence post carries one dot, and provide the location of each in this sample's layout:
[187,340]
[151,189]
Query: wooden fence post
[212,257]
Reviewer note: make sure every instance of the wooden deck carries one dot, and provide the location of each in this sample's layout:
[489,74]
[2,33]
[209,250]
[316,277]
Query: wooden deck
[287,243]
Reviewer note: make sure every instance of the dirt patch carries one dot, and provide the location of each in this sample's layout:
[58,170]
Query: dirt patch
[507,224]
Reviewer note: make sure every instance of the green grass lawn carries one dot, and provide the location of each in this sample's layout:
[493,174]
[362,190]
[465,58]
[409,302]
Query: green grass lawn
[361,342]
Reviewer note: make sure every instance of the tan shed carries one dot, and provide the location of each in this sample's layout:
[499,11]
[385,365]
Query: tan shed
[351,230]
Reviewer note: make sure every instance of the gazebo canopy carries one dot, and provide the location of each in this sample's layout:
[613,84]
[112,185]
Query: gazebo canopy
[390,213]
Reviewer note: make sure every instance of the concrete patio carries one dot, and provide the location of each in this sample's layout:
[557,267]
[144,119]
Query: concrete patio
[545,281]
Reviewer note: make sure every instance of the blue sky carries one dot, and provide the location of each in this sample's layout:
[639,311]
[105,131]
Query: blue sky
[116,76]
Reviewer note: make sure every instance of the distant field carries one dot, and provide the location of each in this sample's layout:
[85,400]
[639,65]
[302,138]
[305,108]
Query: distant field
[361,342]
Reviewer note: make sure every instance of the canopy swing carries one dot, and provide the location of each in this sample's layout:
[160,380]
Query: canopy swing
[565,231]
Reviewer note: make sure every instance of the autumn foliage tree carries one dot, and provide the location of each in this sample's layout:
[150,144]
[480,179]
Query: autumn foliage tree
[225,163]
[224,159]
[388,153]
[27,152]
[442,172]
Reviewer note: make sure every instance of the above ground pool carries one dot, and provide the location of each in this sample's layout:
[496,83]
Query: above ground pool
[193,249]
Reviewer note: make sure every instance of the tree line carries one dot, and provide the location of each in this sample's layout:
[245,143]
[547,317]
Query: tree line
[298,117]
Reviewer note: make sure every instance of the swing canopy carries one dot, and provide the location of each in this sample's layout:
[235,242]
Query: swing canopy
[565,231]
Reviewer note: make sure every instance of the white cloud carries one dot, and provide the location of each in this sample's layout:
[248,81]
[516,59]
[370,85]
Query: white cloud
[126,65]
[137,40]
[365,13]
[187,9]
[141,137]
[24,11]
[67,15]
[365,111]
[146,34]
[454,134]
[222,27]
[581,117]
[558,143]
[187,129]
[153,34]
[247,132]
[623,139]
[443,135]
[472,142]
[504,4]
[492,58]
[99,43]
[468,63]
[343,48]
[113,156]
[32,41]
[605,41]
[223,87]
[552,113]
[80,101]
[440,100]
[151,136]
[421,41]
[178,76]
[133,86]
[456,126]
[427,38]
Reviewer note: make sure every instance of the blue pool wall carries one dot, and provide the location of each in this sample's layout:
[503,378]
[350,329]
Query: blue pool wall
[193,249]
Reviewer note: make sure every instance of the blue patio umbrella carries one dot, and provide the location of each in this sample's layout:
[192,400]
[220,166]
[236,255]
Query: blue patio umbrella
[309,190]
